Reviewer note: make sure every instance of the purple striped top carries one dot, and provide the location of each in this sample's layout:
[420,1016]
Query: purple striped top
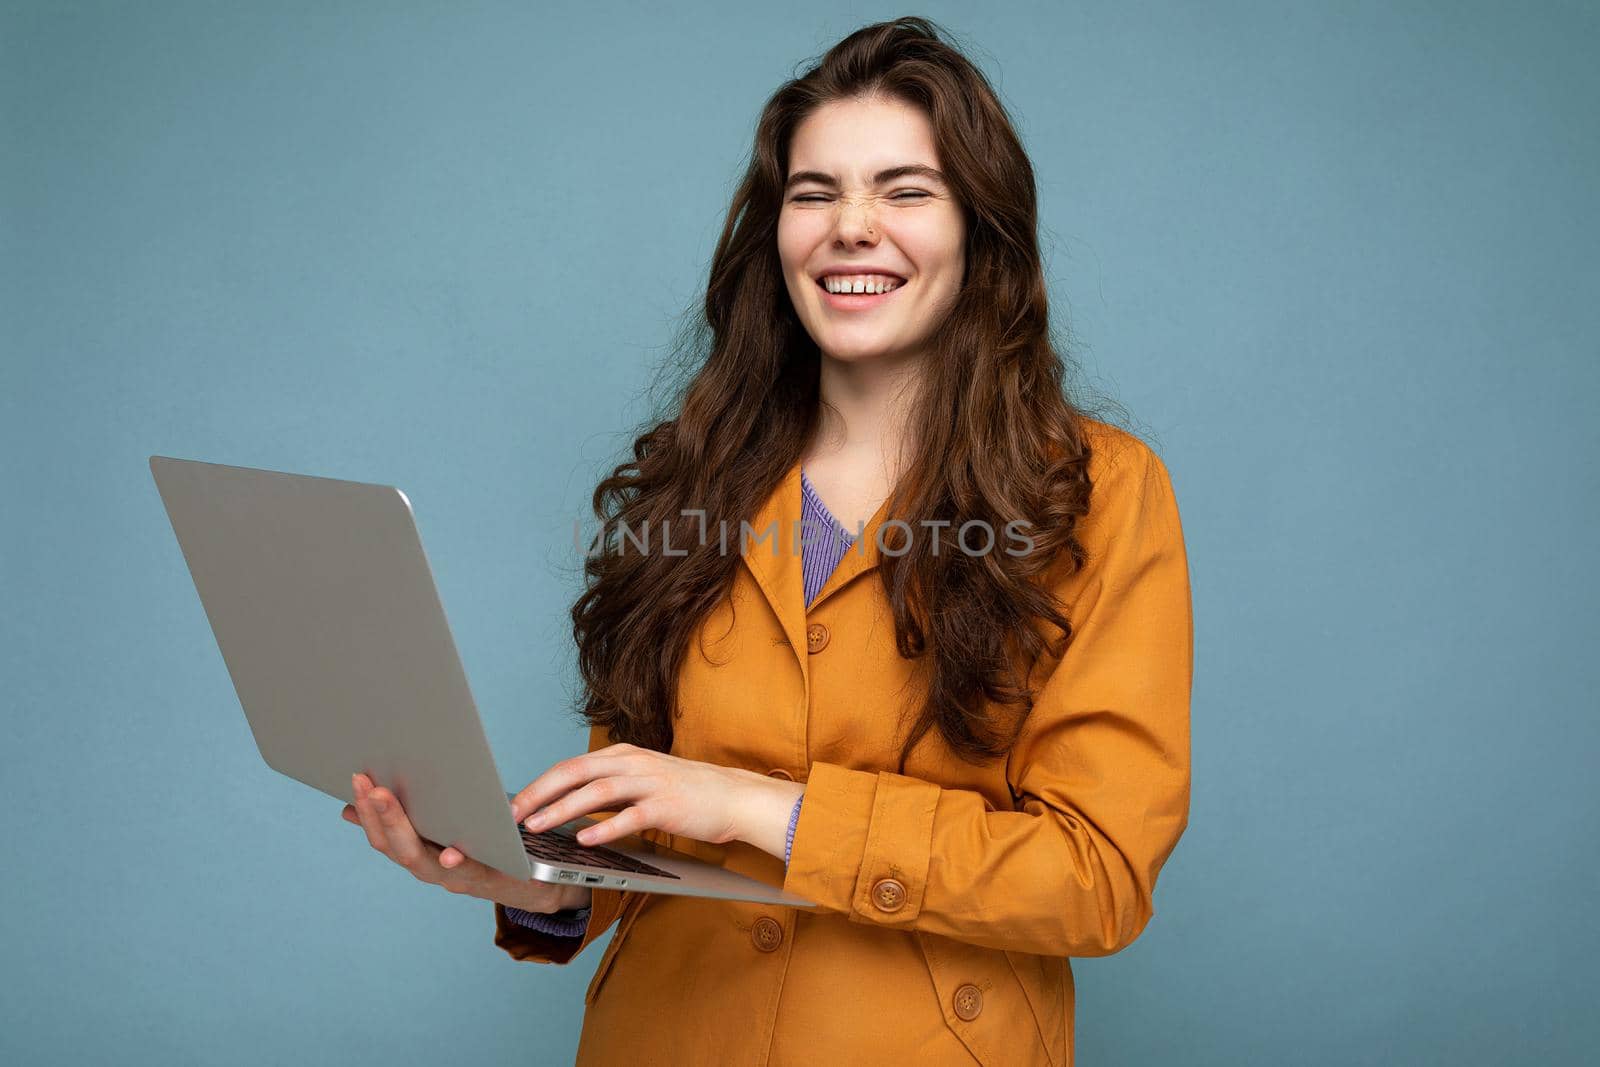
[823,543]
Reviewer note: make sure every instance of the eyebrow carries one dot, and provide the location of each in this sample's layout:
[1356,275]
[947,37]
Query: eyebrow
[907,170]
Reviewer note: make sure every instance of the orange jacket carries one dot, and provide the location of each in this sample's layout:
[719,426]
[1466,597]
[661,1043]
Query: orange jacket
[950,897]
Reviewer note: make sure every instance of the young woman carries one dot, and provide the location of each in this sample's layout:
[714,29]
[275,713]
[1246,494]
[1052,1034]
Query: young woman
[960,723]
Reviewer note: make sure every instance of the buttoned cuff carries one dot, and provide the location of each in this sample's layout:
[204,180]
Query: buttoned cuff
[862,844]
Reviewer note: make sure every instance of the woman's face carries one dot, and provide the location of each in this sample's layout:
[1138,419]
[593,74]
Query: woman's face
[839,218]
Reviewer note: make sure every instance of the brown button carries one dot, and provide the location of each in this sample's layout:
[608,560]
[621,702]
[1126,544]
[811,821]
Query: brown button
[779,772]
[888,895]
[816,637]
[968,1001]
[767,933]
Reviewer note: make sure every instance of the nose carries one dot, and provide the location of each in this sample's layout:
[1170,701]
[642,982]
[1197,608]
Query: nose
[854,224]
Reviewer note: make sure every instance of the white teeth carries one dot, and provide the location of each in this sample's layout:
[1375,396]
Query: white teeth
[860,283]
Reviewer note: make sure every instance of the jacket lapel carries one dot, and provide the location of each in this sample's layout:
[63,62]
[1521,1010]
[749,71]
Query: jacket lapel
[861,557]
[772,553]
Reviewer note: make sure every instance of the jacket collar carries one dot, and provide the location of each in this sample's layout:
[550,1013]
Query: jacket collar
[772,554]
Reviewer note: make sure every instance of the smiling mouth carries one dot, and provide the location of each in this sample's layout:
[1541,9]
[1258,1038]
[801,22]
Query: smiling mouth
[852,301]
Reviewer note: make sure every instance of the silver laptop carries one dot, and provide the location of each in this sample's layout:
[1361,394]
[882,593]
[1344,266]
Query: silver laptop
[327,616]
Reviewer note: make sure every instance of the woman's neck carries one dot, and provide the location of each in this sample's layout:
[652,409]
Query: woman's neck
[862,439]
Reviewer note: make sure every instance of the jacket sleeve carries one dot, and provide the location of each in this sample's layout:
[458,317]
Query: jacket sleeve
[1100,774]
[608,905]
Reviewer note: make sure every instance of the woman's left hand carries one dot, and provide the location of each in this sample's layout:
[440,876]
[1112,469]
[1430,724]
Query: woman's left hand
[649,789]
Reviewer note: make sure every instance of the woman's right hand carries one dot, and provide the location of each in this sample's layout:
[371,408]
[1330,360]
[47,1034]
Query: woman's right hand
[377,811]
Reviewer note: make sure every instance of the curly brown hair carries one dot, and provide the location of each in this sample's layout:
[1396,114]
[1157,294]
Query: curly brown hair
[996,437]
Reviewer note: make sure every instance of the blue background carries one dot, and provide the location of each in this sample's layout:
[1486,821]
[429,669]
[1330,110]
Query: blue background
[1338,259]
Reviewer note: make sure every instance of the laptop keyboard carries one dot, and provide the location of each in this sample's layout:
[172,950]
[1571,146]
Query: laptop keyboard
[553,846]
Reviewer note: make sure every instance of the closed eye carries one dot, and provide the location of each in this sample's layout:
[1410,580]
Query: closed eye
[815,197]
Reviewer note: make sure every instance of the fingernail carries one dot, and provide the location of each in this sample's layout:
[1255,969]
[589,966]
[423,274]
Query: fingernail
[380,803]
